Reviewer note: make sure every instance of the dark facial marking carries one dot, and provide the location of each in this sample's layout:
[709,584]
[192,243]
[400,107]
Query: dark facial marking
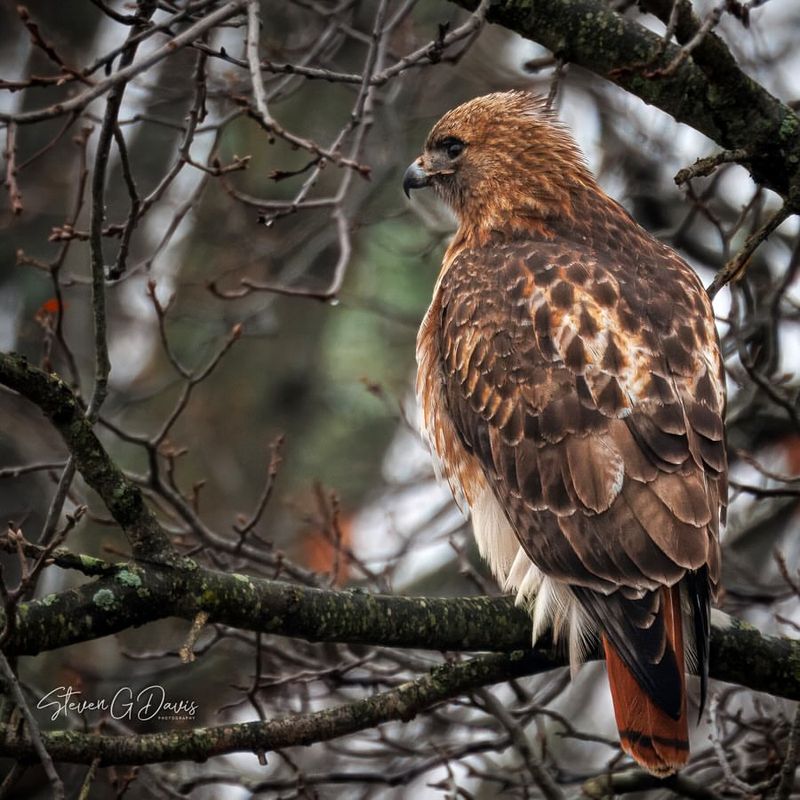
[452,146]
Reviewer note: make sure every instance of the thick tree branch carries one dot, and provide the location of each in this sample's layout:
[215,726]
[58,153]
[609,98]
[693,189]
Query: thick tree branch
[706,90]
[401,703]
[139,594]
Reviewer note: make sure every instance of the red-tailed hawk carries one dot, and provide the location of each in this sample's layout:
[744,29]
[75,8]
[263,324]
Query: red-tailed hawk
[572,389]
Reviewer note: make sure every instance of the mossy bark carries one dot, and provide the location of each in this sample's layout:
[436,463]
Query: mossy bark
[138,594]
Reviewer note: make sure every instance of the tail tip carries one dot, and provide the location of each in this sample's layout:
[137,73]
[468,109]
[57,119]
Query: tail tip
[660,756]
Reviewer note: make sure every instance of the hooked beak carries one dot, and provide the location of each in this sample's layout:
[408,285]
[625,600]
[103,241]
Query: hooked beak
[415,178]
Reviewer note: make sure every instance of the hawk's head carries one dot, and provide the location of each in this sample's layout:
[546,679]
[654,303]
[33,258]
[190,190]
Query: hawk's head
[500,159]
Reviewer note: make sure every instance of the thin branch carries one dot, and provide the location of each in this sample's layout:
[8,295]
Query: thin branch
[735,268]
[124,75]
[789,766]
[57,502]
[91,774]
[25,469]
[33,736]
[10,154]
[102,364]
[187,649]
[720,751]
[11,779]
[60,556]
[330,292]
[324,154]
[540,776]
[704,167]
[275,459]
[254,62]
[765,491]
[432,52]
[118,269]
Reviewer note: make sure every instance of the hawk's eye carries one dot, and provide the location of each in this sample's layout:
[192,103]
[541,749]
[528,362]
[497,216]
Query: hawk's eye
[452,146]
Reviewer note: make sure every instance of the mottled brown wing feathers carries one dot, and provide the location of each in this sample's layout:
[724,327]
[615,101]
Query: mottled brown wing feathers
[594,405]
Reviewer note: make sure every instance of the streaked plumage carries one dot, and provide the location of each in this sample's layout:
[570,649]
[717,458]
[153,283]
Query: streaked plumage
[572,390]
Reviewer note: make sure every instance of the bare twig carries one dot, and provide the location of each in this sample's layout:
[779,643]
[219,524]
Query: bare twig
[125,74]
[722,757]
[10,154]
[734,269]
[540,776]
[789,766]
[187,649]
[86,786]
[118,269]
[275,459]
[433,51]
[254,62]
[34,735]
[704,167]
[11,779]
[102,364]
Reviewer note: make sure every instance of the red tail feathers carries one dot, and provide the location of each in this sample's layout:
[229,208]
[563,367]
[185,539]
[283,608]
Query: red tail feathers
[653,738]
